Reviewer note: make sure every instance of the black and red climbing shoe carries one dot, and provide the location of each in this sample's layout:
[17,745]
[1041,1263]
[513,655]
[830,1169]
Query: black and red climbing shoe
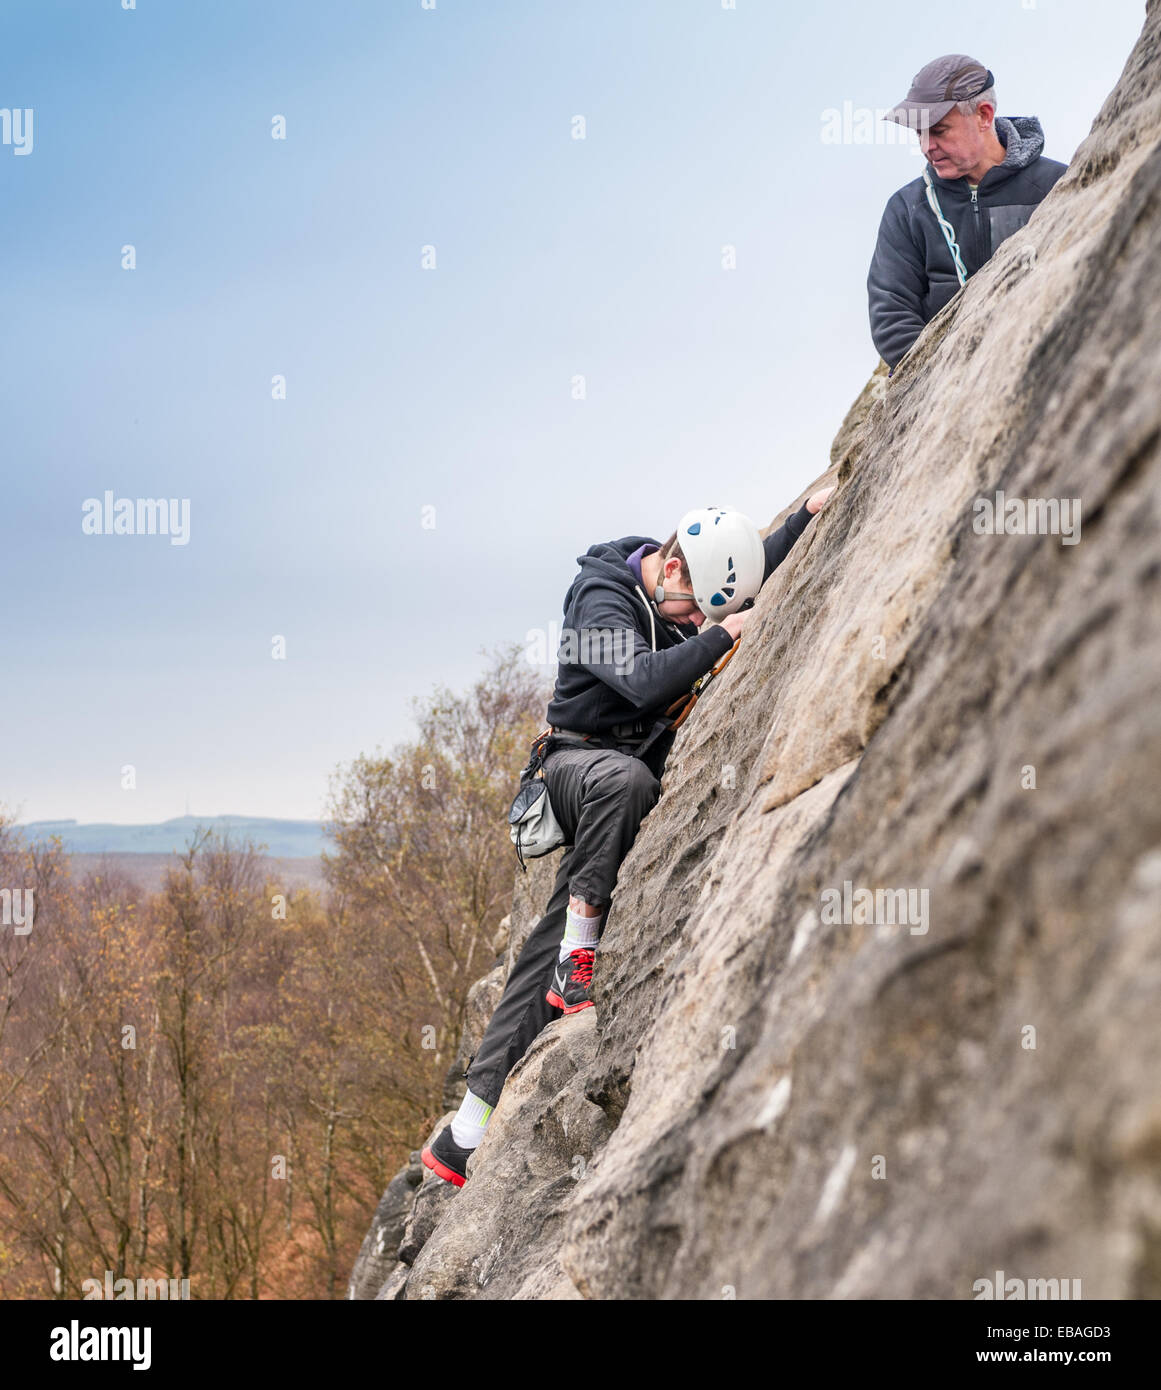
[572,981]
[446,1159]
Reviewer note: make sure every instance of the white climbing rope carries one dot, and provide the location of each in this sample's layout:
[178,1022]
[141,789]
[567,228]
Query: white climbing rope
[946,227]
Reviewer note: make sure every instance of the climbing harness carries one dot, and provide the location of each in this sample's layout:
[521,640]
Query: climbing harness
[945,227]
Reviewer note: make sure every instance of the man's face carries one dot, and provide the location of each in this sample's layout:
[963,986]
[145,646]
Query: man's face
[679,610]
[958,143]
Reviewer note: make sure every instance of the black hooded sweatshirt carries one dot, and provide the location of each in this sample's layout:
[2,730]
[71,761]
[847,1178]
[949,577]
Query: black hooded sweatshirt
[620,673]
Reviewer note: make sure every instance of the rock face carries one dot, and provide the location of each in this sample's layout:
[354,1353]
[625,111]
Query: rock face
[378,1255]
[777,1094]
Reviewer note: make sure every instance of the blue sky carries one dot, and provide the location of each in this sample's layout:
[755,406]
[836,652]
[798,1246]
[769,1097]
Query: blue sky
[409,388]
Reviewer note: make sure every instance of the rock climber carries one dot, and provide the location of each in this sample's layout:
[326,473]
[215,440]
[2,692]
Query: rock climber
[607,752]
[985,176]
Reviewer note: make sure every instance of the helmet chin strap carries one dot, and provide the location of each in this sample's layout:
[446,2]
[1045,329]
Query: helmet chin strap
[660,596]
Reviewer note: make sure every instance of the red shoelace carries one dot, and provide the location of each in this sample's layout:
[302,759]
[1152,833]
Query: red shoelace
[583,969]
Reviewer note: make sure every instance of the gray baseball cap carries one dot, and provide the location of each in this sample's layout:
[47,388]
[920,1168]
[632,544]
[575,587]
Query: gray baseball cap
[936,88]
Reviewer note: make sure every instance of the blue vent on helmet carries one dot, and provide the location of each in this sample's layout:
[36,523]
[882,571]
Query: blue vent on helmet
[718,600]
[695,529]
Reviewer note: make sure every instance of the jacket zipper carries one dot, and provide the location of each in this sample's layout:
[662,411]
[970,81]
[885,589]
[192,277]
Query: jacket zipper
[980,256]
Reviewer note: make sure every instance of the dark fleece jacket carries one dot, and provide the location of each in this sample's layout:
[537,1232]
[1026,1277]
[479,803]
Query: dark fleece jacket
[912,273]
[620,686]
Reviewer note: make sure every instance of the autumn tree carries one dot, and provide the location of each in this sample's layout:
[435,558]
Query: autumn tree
[421,850]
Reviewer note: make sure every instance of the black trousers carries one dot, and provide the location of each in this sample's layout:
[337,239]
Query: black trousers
[600,797]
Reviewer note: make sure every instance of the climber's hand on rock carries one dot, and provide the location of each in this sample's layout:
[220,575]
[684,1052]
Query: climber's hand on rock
[735,622]
[815,504]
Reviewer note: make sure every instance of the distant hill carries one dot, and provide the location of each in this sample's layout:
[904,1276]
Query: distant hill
[288,839]
[147,871]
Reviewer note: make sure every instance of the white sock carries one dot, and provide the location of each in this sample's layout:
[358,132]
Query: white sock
[471,1119]
[580,931]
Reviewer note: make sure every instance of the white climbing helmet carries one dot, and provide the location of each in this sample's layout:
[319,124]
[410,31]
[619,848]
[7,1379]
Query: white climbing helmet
[725,556]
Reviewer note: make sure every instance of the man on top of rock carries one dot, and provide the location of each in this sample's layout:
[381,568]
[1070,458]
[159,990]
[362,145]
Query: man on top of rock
[984,178]
[604,760]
